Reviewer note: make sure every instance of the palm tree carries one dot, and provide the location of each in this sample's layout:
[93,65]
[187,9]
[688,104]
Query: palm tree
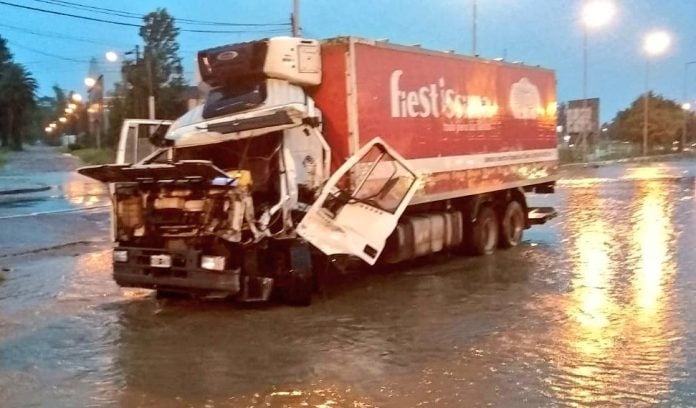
[17,101]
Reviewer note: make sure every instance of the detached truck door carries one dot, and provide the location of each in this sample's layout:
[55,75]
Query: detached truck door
[361,204]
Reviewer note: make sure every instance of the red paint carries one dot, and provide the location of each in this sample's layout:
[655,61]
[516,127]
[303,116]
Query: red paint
[423,71]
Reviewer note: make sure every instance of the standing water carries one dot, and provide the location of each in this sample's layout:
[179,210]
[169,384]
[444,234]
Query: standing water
[596,308]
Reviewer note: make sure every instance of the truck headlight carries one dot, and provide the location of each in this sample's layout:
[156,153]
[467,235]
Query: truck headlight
[120,255]
[213,263]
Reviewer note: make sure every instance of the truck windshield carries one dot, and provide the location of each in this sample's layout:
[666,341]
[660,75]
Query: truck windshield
[234,98]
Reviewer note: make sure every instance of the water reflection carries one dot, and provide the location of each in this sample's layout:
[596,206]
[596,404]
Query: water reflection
[81,191]
[617,339]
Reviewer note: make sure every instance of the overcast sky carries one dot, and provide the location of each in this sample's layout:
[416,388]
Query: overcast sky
[538,32]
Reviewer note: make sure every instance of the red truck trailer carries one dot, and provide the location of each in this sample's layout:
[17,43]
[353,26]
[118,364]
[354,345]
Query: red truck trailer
[340,147]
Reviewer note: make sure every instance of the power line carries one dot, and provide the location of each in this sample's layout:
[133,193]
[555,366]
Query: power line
[128,14]
[48,54]
[52,34]
[121,23]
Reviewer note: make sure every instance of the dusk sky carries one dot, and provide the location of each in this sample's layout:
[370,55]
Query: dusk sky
[537,32]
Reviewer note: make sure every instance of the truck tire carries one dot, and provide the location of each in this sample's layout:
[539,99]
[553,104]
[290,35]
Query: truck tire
[300,283]
[170,294]
[512,225]
[298,291]
[483,237]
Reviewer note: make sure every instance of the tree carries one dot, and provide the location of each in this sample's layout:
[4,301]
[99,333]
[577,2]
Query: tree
[17,101]
[5,59]
[665,121]
[159,70]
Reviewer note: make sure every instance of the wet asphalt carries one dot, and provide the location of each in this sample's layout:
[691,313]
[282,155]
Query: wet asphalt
[596,308]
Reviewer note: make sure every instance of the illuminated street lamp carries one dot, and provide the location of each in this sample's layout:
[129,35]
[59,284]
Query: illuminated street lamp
[655,44]
[90,82]
[595,14]
[598,13]
[111,56]
[76,97]
[62,119]
[48,129]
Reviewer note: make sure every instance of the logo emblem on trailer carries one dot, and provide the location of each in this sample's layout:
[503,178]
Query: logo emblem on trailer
[227,55]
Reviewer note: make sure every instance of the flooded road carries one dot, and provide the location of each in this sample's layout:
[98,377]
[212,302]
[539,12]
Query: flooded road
[597,308]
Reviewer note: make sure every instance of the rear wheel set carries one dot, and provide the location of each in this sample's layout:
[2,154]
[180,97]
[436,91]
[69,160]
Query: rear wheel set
[491,230]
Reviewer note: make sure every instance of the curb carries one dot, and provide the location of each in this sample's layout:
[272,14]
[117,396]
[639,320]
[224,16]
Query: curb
[25,190]
[627,160]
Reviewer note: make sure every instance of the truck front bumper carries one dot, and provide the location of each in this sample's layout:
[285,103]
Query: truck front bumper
[182,274]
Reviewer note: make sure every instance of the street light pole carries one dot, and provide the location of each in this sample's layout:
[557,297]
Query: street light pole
[583,134]
[685,112]
[654,44]
[595,14]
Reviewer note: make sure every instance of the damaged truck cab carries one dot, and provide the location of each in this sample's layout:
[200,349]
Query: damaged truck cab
[243,194]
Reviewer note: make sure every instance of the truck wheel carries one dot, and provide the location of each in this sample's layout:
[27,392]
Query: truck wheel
[300,282]
[169,294]
[484,232]
[512,225]
[298,291]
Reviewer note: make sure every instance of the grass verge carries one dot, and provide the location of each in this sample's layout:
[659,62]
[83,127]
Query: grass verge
[95,156]
[3,156]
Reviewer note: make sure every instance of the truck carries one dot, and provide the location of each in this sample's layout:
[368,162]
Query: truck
[305,153]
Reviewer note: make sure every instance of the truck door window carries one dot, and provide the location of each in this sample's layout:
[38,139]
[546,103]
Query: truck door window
[377,180]
[130,155]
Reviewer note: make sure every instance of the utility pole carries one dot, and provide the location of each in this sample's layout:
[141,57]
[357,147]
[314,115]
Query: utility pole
[151,97]
[100,112]
[646,107]
[148,68]
[295,18]
[473,27]
[687,106]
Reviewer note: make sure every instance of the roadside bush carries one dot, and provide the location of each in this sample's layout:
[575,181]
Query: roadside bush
[3,156]
[95,156]
[75,146]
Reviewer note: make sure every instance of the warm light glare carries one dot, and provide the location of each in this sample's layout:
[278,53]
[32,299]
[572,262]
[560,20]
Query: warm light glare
[657,42]
[48,129]
[90,82]
[76,97]
[597,13]
[62,119]
[111,56]
[53,125]
[686,106]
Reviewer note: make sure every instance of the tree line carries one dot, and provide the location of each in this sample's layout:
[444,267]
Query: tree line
[666,120]
[155,68]
[17,99]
